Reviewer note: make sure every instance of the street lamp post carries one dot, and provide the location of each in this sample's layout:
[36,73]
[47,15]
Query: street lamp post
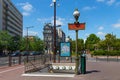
[27,36]
[76,15]
[54,54]
[76,26]
[27,46]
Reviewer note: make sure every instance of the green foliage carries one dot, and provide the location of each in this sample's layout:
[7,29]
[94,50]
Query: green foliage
[73,53]
[116,44]
[106,53]
[91,41]
[4,40]
[14,43]
[23,45]
[109,41]
[35,44]
[80,45]
[99,53]
[73,45]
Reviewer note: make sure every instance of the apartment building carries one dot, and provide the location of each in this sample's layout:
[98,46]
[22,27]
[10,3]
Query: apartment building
[48,33]
[11,19]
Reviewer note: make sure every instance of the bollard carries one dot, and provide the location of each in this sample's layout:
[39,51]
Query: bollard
[34,58]
[71,59]
[10,60]
[83,64]
[27,58]
[19,59]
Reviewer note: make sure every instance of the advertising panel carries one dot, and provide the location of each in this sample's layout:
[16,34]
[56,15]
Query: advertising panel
[65,50]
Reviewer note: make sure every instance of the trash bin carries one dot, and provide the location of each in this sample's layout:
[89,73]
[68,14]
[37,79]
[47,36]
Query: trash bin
[83,63]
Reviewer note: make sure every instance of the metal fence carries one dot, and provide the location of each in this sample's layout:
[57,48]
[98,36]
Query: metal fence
[105,58]
[36,62]
[11,61]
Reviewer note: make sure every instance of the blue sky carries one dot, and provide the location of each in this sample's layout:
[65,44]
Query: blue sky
[101,16]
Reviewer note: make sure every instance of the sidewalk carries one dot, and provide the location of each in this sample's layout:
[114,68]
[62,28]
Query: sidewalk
[95,71]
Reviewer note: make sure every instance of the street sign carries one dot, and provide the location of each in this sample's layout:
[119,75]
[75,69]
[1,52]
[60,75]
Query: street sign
[76,26]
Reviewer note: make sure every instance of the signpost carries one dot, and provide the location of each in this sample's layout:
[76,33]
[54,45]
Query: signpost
[76,26]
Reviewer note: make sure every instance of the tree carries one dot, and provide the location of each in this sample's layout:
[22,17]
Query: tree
[110,40]
[36,44]
[23,42]
[80,45]
[73,45]
[117,44]
[102,45]
[4,41]
[14,43]
[91,41]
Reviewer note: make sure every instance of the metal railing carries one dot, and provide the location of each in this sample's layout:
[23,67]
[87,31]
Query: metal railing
[36,62]
[105,58]
[11,61]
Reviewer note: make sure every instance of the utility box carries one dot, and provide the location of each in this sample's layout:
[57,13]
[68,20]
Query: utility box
[83,63]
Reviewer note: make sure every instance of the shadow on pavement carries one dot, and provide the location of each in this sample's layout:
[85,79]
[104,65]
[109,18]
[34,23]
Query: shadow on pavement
[92,71]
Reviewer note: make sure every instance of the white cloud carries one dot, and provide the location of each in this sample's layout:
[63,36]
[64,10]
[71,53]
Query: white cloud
[71,33]
[100,33]
[71,19]
[101,28]
[43,20]
[110,2]
[89,8]
[30,33]
[117,25]
[118,4]
[59,20]
[86,35]
[100,0]
[26,13]
[26,7]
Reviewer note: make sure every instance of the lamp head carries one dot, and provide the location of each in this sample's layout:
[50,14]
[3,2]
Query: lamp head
[54,0]
[76,14]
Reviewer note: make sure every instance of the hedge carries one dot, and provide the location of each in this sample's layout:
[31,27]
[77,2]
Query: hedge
[106,53]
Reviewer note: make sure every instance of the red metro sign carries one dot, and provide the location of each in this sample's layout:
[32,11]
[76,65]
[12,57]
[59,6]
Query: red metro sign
[76,26]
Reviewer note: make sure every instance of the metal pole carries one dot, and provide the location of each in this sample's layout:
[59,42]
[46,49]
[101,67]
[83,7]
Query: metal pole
[27,43]
[19,59]
[54,55]
[27,40]
[27,36]
[77,59]
[10,60]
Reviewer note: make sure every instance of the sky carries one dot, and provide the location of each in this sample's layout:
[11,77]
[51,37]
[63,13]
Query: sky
[101,16]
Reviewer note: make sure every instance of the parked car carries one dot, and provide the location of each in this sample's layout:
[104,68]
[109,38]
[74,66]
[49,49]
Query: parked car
[24,53]
[2,55]
[35,53]
[17,53]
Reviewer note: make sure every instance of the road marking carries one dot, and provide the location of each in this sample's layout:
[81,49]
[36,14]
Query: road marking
[50,75]
[11,69]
